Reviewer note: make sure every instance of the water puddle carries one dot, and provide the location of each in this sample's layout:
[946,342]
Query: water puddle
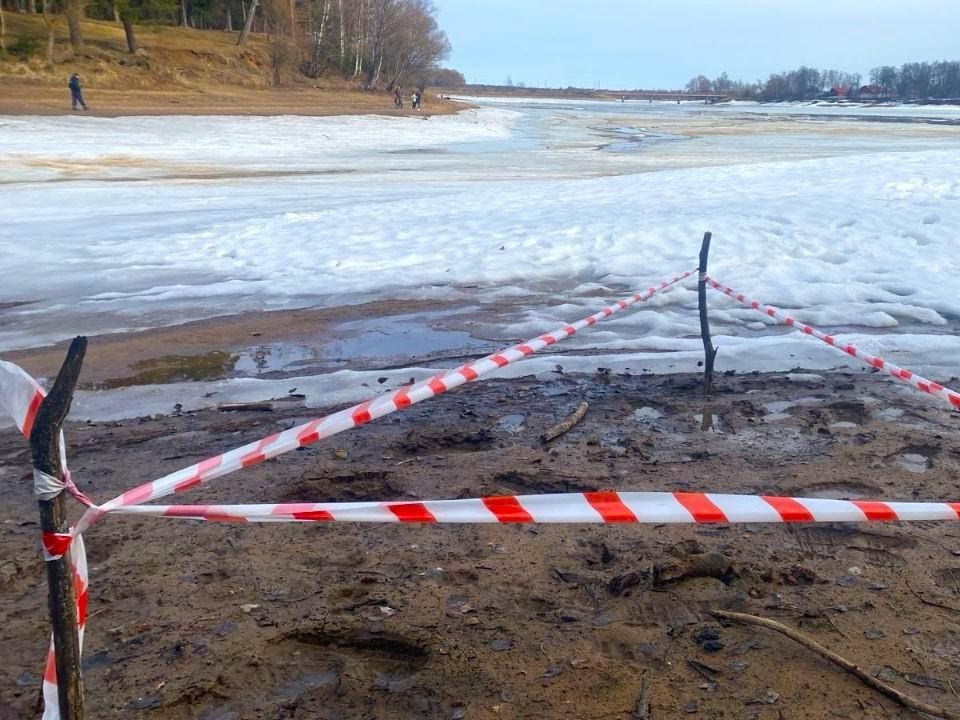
[512,423]
[708,422]
[647,415]
[775,417]
[371,343]
[382,342]
[890,413]
[632,139]
[306,683]
[175,368]
[912,462]
[777,409]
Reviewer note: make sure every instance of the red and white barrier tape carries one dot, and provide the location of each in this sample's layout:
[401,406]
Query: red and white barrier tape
[78,561]
[589,507]
[308,433]
[927,386]
[20,398]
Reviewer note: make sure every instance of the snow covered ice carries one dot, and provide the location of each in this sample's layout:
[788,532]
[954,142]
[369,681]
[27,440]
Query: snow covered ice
[112,224]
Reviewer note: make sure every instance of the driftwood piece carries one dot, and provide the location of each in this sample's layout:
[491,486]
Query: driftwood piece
[246,406]
[855,670]
[566,424]
[45,448]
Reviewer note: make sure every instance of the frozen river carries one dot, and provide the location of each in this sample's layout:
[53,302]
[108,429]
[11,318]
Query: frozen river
[537,211]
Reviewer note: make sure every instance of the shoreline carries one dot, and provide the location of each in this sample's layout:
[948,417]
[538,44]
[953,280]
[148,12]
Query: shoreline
[20,98]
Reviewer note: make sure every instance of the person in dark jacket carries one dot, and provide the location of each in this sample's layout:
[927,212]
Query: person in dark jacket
[76,95]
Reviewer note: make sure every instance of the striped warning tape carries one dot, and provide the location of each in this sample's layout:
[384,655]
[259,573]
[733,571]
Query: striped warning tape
[20,399]
[588,507]
[311,432]
[911,378]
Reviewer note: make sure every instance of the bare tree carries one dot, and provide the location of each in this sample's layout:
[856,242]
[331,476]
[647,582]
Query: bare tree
[126,20]
[74,12]
[247,22]
[415,43]
[358,64]
[278,19]
[3,29]
[343,29]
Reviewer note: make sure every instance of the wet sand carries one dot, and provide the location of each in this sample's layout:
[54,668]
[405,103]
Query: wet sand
[321,621]
[116,356]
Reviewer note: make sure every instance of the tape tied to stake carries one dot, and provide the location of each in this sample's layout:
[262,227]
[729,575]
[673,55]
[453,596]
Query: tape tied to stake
[21,397]
[898,373]
[47,487]
[55,545]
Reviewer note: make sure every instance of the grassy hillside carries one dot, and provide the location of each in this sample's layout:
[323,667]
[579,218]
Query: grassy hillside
[171,56]
[179,70]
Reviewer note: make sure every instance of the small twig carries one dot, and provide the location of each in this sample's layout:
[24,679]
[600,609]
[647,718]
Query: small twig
[566,424]
[703,670]
[840,662]
[642,709]
[931,603]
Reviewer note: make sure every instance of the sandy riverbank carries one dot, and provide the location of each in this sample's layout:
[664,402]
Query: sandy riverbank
[226,621]
[18,97]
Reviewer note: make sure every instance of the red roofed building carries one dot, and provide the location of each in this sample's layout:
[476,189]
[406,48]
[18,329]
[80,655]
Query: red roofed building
[872,92]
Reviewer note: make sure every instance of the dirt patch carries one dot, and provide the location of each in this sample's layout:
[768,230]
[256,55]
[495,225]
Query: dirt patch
[193,620]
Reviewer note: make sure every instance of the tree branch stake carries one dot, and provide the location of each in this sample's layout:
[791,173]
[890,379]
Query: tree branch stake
[45,448]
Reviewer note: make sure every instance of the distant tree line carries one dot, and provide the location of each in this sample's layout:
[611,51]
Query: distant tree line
[379,42]
[911,81]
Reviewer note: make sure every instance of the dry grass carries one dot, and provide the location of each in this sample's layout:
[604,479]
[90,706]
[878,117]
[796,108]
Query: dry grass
[170,56]
[178,71]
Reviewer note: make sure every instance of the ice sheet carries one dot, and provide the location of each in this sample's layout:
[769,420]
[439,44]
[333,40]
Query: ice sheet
[136,222]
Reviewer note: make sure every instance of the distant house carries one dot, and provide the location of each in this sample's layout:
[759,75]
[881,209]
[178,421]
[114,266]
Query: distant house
[840,91]
[872,92]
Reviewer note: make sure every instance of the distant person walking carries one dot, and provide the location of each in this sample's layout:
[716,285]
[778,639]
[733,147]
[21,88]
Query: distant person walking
[398,98]
[76,94]
[414,100]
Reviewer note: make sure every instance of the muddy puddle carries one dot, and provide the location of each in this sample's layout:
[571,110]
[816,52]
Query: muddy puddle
[400,340]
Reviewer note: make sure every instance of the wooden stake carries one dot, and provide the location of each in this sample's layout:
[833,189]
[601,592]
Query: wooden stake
[44,445]
[709,351]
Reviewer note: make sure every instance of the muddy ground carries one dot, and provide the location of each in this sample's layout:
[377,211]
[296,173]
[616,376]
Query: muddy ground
[192,620]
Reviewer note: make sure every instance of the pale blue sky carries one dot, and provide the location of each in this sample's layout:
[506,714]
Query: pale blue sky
[663,43]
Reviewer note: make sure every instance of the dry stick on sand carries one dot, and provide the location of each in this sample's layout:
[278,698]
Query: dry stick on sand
[642,709]
[840,662]
[566,425]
